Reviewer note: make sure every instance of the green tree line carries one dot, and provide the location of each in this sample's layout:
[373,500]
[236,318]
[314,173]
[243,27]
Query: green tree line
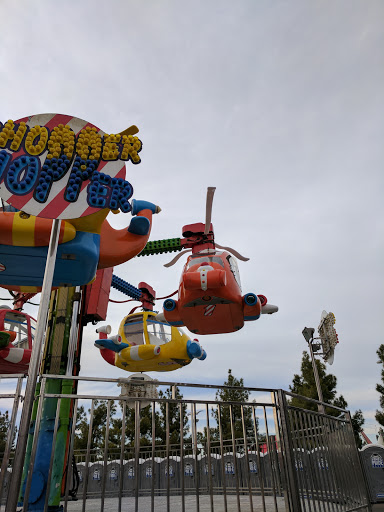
[228,420]
[177,423]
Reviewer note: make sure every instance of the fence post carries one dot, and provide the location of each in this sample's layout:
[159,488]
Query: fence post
[291,480]
[360,464]
[280,448]
[10,435]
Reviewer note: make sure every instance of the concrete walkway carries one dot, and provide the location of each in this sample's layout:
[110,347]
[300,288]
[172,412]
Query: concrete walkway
[144,505]
[175,505]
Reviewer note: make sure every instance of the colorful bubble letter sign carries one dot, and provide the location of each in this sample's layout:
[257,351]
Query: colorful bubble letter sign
[61,167]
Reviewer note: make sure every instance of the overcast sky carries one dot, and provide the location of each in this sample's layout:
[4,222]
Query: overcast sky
[278,104]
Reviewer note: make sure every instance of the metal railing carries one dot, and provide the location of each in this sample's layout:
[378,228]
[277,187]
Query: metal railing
[197,452]
[326,459]
[16,396]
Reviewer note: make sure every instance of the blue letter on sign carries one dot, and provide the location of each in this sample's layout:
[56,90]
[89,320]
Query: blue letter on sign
[4,159]
[97,192]
[121,191]
[22,174]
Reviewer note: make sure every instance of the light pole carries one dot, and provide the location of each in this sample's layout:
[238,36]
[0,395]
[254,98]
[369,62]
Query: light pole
[326,342]
[308,333]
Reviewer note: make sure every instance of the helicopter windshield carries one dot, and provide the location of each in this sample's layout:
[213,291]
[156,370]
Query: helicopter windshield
[158,333]
[235,269]
[205,259]
[134,330]
[19,324]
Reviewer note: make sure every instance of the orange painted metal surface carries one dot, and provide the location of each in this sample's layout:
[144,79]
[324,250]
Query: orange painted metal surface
[118,246]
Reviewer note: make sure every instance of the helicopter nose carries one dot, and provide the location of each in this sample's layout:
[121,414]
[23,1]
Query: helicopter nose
[138,205]
[194,350]
[203,355]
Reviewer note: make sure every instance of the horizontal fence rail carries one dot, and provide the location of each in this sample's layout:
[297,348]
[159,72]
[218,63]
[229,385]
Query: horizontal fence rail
[157,446]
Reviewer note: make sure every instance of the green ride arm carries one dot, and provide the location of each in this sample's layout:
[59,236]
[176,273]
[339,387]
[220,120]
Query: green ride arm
[161,247]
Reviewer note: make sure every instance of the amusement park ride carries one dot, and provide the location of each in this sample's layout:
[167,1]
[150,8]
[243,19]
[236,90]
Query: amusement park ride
[144,343]
[210,302]
[61,173]
[16,338]
[210,298]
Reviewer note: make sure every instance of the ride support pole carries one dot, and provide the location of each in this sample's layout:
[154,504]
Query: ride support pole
[34,367]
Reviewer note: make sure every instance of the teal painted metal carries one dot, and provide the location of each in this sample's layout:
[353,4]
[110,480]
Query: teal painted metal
[55,362]
[44,449]
[29,444]
[61,445]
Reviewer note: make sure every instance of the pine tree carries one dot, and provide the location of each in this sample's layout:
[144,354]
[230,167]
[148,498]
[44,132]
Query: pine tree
[145,427]
[232,395]
[81,432]
[98,426]
[177,423]
[116,423]
[305,385]
[357,424]
[4,428]
[380,387]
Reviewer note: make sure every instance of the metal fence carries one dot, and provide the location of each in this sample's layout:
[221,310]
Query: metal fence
[327,466]
[193,452]
[14,385]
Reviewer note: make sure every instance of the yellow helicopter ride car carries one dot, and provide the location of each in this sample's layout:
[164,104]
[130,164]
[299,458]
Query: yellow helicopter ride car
[145,344]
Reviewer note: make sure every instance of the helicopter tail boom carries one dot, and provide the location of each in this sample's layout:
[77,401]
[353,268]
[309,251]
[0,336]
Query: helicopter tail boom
[141,352]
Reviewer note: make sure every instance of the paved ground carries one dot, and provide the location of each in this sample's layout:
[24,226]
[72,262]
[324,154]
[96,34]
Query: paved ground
[144,505]
[128,504]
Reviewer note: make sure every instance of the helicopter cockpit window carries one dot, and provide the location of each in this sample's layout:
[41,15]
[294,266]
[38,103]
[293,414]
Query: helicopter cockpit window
[235,269]
[158,332]
[180,331]
[18,324]
[134,330]
[205,259]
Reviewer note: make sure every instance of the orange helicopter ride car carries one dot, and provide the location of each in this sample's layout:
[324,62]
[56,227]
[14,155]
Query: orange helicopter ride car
[210,300]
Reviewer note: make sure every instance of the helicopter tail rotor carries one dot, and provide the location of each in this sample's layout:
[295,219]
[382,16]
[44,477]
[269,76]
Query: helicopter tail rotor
[269,309]
[208,209]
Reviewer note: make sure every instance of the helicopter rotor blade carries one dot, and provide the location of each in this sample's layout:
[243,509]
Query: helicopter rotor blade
[232,251]
[208,209]
[176,258]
